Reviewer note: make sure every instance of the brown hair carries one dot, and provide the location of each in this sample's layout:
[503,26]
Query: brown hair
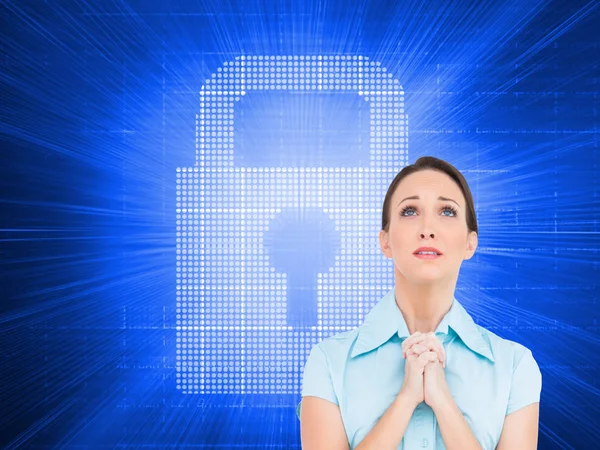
[431,163]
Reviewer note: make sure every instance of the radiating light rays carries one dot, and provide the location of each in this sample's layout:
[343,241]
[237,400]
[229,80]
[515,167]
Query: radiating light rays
[513,312]
[467,63]
[573,400]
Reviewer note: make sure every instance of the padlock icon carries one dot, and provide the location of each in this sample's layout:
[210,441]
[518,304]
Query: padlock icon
[249,307]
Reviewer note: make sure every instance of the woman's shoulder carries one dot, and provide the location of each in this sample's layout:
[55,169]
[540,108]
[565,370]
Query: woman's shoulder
[338,345]
[339,340]
[517,366]
[503,348]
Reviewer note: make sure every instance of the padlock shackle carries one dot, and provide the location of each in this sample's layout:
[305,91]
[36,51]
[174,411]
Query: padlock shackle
[319,74]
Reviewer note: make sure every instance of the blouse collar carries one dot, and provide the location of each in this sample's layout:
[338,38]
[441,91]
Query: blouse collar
[386,319]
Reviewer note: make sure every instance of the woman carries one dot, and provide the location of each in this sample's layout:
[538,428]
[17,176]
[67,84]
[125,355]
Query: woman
[419,373]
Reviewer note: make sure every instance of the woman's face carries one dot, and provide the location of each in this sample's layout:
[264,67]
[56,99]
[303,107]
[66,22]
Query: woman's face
[428,221]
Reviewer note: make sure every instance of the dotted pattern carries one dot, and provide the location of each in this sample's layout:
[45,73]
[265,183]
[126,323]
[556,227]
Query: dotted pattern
[232,335]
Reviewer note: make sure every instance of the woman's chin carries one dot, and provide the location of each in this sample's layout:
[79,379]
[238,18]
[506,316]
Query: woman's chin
[426,276]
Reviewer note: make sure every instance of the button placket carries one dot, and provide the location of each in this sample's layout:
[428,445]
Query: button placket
[425,431]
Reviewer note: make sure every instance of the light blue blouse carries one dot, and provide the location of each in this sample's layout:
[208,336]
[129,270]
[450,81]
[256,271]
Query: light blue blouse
[362,371]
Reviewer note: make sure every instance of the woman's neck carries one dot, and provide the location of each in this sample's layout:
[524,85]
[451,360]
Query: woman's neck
[423,306]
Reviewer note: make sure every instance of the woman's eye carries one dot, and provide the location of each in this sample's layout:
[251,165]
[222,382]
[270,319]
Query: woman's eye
[410,208]
[406,208]
[449,208]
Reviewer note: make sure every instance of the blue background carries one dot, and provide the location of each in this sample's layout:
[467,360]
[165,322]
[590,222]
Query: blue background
[97,110]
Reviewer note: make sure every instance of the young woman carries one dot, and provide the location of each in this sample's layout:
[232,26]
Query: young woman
[419,372]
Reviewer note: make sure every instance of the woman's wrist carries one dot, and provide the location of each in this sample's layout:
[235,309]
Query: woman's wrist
[445,402]
[406,398]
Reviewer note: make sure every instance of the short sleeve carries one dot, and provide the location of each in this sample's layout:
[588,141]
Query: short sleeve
[526,385]
[317,378]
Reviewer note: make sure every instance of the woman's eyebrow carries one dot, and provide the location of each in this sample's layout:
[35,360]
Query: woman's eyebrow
[416,197]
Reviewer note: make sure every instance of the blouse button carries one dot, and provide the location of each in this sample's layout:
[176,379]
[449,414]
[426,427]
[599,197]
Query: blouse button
[424,443]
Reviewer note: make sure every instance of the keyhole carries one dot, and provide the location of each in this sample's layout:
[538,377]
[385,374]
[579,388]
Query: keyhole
[302,243]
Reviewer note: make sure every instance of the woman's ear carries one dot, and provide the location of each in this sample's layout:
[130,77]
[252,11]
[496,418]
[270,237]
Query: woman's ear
[384,243]
[471,245]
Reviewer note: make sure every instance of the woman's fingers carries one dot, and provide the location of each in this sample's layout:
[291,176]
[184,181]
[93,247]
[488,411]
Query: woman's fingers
[419,349]
[427,357]
[429,341]
[417,337]
[424,357]
[440,351]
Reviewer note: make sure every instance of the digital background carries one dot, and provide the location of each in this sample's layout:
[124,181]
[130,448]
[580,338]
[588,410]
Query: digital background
[191,195]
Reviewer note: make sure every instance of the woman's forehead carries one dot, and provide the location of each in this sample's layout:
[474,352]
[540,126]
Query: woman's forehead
[428,183]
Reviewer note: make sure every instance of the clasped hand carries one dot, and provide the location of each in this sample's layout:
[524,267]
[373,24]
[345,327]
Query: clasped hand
[424,377]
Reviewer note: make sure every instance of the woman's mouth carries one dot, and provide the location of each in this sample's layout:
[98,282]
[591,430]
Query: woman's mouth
[427,255]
